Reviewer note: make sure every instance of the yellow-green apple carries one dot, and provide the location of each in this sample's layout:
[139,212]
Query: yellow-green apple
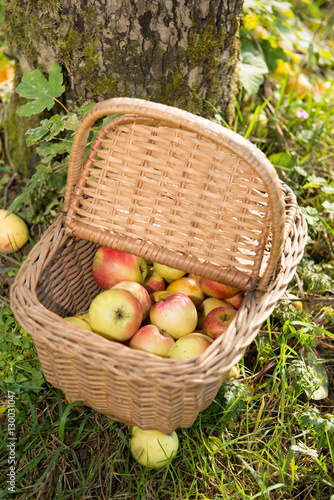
[190,345]
[115,314]
[188,286]
[138,291]
[13,232]
[176,315]
[111,266]
[237,299]
[152,448]
[206,306]
[76,321]
[297,304]
[153,281]
[150,339]
[218,320]
[217,290]
[168,273]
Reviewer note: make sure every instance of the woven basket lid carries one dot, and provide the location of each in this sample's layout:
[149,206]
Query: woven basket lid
[178,189]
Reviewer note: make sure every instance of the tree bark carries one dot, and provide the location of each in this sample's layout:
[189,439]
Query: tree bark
[181,53]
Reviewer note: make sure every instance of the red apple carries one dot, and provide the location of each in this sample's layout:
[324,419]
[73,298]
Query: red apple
[153,281]
[168,273]
[189,345]
[111,266]
[176,315]
[236,300]
[206,306]
[217,290]
[188,286]
[115,314]
[218,320]
[150,339]
[138,291]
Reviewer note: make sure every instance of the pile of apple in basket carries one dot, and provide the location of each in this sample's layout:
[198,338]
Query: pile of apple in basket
[155,308]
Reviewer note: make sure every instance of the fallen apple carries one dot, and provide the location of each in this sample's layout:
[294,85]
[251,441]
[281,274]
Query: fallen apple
[153,281]
[13,232]
[138,291]
[74,320]
[188,286]
[152,448]
[217,290]
[300,85]
[168,273]
[218,320]
[150,339]
[115,314]
[176,315]
[297,304]
[189,345]
[206,306]
[111,266]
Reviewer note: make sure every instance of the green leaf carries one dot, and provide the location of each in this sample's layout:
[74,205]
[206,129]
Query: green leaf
[328,206]
[35,179]
[320,388]
[252,67]
[35,86]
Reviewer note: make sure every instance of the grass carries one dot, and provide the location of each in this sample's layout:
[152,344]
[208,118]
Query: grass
[265,436]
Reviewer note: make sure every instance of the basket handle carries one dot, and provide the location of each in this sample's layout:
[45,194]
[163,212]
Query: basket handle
[214,132]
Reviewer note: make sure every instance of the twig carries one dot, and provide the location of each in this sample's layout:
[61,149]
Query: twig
[262,372]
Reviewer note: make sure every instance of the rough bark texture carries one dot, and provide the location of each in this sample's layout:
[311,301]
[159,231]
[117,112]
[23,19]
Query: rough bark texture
[180,53]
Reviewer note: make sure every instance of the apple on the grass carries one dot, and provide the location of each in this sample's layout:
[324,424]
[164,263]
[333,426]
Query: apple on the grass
[188,286]
[175,314]
[217,290]
[190,345]
[168,273]
[111,266]
[153,281]
[206,306]
[138,291]
[218,320]
[152,448]
[115,314]
[150,339]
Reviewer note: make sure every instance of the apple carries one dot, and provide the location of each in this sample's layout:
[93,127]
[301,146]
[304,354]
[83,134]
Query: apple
[218,320]
[138,291]
[111,266]
[115,314]
[153,281]
[300,85]
[297,304]
[74,320]
[207,306]
[176,315]
[150,339]
[188,286]
[13,232]
[152,448]
[217,290]
[189,345]
[236,300]
[161,294]
[168,273]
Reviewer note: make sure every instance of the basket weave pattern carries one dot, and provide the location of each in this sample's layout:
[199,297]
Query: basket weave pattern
[55,281]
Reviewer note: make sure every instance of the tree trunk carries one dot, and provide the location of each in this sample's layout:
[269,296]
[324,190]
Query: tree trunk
[179,53]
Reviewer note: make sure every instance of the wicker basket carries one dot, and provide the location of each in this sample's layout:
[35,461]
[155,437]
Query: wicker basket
[173,188]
